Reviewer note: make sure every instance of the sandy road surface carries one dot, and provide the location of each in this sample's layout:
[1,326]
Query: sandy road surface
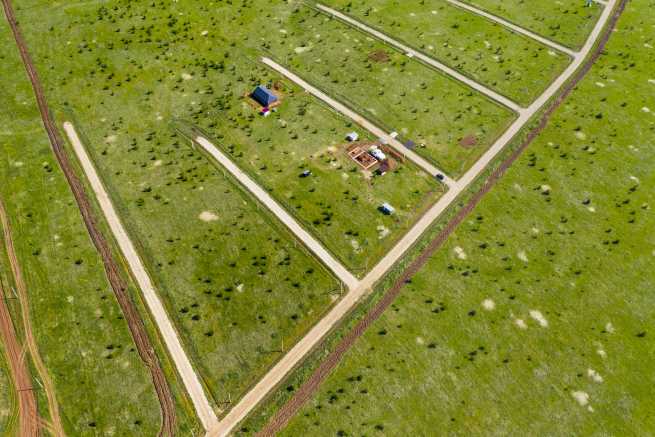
[23,298]
[28,420]
[306,391]
[169,334]
[308,240]
[113,271]
[363,122]
[307,343]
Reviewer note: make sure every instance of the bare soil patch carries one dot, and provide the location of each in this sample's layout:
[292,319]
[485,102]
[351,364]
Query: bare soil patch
[379,56]
[469,141]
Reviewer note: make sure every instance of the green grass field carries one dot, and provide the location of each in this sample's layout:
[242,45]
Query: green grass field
[515,66]
[78,325]
[7,400]
[568,22]
[536,316]
[338,202]
[397,92]
[237,286]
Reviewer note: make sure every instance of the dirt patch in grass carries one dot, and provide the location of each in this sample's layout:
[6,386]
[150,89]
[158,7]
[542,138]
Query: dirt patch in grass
[469,141]
[379,56]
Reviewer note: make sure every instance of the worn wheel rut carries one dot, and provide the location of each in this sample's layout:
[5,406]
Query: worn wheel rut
[118,284]
[21,290]
[311,386]
[28,415]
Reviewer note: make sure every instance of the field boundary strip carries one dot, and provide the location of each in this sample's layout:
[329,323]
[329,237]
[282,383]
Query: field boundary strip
[133,318]
[295,355]
[360,120]
[280,212]
[513,27]
[311,386]
[171,339]
[409,51]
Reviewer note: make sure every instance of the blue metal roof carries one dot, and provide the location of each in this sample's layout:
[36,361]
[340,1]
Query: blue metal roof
[264,96]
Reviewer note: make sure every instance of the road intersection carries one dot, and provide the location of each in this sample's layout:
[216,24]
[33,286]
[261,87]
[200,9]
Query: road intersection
[357,289]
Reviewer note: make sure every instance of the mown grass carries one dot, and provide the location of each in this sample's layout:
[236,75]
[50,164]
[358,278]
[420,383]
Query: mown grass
[398,93]
[515,66]
[568,22]
[564,237]
[101,384]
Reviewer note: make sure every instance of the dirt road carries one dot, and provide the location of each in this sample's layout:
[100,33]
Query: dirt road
[316,334]
[28,415]
[499,98]
[167,330]
[307,390]
[113,271]
[513,27]
[363,122]
[307,239]
[23,298]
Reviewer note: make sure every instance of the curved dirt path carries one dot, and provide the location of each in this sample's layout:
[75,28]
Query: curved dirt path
[28,415]
[112,269]
[345,305]
[21,289]
[311,386]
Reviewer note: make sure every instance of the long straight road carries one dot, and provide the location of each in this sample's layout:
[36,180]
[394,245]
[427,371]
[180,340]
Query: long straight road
[171,339]
[363,122]
[513,27]
[499,98]
[296,228]
[293,358]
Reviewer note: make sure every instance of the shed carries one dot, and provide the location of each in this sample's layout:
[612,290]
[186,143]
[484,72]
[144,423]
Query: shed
[264,96]
[387,209]
[352,136]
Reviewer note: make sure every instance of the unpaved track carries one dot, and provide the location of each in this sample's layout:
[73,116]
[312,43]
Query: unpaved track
[169,334]
[293,358]
[311,386]
[296,228]
[363,122]
[23,299]
[28,415]
[513,27]
[132,316]
[497,97]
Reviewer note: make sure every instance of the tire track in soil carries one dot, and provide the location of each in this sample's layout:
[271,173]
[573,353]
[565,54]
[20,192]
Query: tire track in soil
[23,299]
[131,314]
[311,386]
[28,415]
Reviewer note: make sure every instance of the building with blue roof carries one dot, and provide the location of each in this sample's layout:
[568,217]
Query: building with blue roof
[264,96]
